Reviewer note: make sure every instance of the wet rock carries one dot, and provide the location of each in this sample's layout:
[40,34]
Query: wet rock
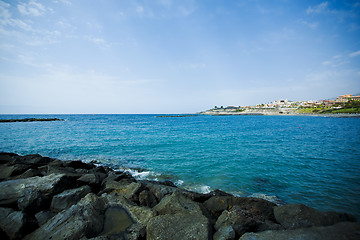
[68,198]
[225,233]
[84,219]
[13,223]
[139,215]
[294,216]
[239,219]
[43,216]
[34,160]
[31,201]
[177,203]
[178,226]
[52,184]
[7,157]
[117,221]
[79,165]
[343,230]
[29,173]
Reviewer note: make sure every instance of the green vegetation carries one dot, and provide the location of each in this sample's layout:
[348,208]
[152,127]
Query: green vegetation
[352,106]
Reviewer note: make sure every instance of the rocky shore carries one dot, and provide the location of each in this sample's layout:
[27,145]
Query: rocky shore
[30,120]
[45,198]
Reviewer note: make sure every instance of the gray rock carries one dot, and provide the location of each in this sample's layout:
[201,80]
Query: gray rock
[159,191]
[52,184]
[339,231]
[34,159]
[84,219]
[177,203]
[12,222]
[139,215]
[117,221]
[7,157]
[294,216]
[92,178]
[260,208]
[124,188]
[68,198]
[178,226]
[31,201]
[43,216]
[147,198]
[225,233]
[29,173]
[6,171]
[239,219]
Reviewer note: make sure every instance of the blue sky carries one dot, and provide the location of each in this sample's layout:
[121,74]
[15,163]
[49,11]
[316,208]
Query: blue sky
[174,56]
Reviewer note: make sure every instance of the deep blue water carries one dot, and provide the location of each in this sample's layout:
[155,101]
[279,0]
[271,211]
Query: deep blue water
[298,159]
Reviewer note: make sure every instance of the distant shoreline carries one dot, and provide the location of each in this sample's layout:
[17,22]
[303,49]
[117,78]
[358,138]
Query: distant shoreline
[270,113]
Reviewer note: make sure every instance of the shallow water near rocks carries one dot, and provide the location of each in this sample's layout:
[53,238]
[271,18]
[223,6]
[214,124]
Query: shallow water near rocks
[294,159]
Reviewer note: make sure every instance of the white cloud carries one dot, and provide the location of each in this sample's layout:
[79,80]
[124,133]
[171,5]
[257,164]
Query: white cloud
[32,8]
[354,54]
[66,2]
[311,25]
[321,8]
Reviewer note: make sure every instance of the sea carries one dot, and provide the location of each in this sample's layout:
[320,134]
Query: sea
[314,160]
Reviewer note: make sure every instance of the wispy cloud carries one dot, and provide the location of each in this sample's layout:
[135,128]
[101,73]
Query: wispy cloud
[311,25]
[66,2]
[354,54]
[336,61]
[32,8]
[321,8]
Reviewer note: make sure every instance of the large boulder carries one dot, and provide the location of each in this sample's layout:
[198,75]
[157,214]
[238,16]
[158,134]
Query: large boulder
[294,216]
[177,203]
[159,190]
[239,219]
[14,223]
[49,185]
[68,198]
[139,215]
[343,230]
[260,208]
[225,233]
[31,201]
[117,222]
[178,226]
[84,219]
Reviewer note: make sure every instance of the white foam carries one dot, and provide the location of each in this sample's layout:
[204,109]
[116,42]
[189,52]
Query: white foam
[273,199]
[179,182]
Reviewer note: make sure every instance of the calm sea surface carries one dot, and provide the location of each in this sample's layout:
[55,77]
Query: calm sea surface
[291,159]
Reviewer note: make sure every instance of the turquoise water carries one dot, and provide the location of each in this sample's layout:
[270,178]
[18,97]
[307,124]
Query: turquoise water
[295,159]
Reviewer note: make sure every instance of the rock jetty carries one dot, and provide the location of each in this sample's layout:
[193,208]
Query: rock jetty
[30,120]
[45,198]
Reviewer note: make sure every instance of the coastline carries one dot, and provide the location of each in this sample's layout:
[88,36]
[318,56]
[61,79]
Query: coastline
[44,198]
[277,113]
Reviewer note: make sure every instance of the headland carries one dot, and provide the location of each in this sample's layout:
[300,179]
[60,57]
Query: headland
[45,198]
[342,106]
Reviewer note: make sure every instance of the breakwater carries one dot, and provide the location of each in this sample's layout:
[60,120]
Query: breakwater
[46,198]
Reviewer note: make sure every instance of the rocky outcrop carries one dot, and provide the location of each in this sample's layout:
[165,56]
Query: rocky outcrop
[44,198]
[342,230]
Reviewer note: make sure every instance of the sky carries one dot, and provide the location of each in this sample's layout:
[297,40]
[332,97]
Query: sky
[174,56]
